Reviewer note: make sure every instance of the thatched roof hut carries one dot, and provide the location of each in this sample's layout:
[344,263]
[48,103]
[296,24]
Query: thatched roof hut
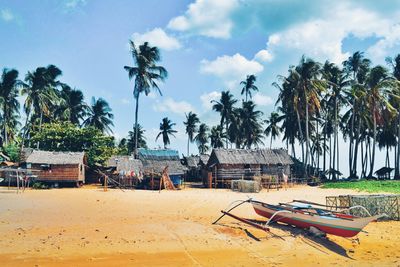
[57,166]
[155,160]
[124,164]
[231,164]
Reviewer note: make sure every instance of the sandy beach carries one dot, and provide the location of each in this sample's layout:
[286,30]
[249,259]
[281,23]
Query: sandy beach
[90,227]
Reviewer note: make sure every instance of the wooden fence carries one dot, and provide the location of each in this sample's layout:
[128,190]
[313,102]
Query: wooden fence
[375,204]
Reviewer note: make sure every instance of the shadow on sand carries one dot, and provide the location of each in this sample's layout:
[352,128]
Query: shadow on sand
[318,243]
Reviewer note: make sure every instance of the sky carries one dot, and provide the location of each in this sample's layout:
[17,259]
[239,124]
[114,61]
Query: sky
[207,46]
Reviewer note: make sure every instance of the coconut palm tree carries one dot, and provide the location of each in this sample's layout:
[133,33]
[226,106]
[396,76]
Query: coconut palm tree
[9,84]
[72,106]
[41,95]
[140,137]
[225,107]
[166,129]
[394,100]
[273,129]
[251,126]
[378,87]
[217,136]
[202,138]
[99,116]
[248,85]
[146,74]
[191,127]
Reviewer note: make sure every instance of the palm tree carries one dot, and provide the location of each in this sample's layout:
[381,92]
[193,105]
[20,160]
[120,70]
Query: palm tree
[146,74]
[217,136]
[166,129]
[225,107]
[310,86]
[273,129]
[394,100]
[202,138]
[248,85]
[191,127]
[357,66]
[9,84]
[251,126]
[140,137]
[99,116]
[378,86]
[72,107]
[41,94]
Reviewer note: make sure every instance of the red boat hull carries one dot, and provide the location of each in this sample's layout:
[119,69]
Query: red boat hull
[307,224]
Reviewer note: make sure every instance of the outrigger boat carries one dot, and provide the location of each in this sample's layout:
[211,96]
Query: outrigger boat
[304,214]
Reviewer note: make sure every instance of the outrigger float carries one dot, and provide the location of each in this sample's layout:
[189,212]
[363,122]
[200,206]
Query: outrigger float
[306,215]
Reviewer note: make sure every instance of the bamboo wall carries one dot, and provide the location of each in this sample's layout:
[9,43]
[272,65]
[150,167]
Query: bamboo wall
[60,173]
[375,204]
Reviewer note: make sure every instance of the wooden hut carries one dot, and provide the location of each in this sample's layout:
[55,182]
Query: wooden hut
[125,170]
[155,161]
[193,172]
[233,164]
[57,167]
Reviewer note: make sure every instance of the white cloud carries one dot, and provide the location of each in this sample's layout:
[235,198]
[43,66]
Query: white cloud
[231,69]
[157,37]
[7,15]
[207,98]
[209,18]
[264,56]
[125,101]
[170,105]
[71,4]
[262,100]
[322,38]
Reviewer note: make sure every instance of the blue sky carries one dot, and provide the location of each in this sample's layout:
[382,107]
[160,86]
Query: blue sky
[207,46]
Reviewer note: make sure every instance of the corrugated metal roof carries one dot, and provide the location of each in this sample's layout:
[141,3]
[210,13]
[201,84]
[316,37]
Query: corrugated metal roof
[52,157]
[251,156]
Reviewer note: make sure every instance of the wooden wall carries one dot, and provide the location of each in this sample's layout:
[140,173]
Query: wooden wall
[60,173]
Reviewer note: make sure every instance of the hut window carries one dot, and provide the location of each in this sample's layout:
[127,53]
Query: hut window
[45,167]
[247,166]
[81,168]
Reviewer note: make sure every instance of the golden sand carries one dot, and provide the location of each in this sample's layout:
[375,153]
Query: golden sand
[89,227]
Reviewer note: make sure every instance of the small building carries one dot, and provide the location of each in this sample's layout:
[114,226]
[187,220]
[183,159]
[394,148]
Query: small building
[195,166]
[233,164]
[384,173]
[57,167]
[125,170]
[155,161]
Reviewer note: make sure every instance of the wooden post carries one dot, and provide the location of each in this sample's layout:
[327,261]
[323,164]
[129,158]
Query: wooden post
[216,174]
[152,180]
[105,183]
[209,179]
[17,183]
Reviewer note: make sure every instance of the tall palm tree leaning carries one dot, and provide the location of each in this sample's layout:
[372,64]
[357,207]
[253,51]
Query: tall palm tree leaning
[99,116]
[9,84]
[248,85]
[202,138]
[191,127]
[41,95]
[166,129]
[273,129]
[146,73]
[225,107]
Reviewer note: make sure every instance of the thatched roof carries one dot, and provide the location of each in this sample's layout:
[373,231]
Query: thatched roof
[250,156]
[384,170]
[124,163]
[56,158]
[204,159]
[192,161]
[155,160]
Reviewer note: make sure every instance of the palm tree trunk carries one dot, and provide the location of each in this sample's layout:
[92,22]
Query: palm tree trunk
[307,136]
[301,137]
[40,128]
[330,156]
[136,126]
[188,146]
[324,164]
[397,168]
[355,155]
[334,141]
[371,170]
[387,157]
[270,143]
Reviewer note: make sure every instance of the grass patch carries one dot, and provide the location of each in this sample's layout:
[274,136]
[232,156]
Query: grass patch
[367,186]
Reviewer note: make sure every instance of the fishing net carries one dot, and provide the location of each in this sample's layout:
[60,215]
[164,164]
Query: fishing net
[246,186]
